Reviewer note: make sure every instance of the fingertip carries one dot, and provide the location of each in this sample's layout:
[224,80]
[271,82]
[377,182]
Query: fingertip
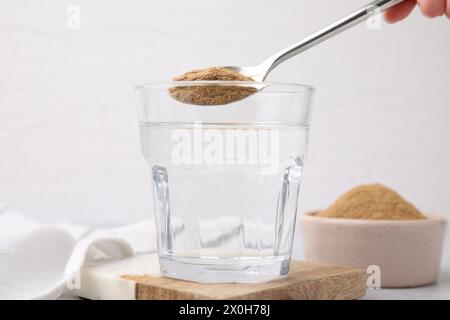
[399,12]
[432,8]
[390,18]
[447,9]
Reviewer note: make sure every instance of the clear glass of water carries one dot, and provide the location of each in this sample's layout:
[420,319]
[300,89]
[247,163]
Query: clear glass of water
[225,179]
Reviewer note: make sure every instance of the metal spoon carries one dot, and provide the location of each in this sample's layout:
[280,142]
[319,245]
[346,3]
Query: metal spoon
[260,71]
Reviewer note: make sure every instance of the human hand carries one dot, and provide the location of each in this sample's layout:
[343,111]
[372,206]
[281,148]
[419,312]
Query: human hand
[430,8]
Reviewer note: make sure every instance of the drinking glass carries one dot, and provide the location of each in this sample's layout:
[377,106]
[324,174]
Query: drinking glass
[225,178]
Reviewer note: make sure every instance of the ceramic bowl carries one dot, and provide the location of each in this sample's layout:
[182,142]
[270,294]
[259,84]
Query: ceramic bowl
[408,253]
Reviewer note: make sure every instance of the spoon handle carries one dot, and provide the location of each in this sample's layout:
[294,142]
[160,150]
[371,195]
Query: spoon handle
[329,31]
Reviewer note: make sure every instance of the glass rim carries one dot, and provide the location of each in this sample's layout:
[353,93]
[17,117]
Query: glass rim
[295,87]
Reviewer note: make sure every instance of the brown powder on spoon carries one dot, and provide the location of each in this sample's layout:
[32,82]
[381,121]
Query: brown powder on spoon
[213,73]
[372,202]
[210,94]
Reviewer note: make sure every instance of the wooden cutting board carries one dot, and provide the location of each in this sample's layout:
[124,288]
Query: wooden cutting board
[127,279]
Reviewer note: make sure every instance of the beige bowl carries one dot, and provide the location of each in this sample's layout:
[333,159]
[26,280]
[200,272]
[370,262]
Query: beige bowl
[407,252]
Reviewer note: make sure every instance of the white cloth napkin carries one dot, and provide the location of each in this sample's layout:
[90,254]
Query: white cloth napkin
[37,261]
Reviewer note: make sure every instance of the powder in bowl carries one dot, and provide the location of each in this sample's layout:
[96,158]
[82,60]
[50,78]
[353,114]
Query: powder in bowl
[372,202]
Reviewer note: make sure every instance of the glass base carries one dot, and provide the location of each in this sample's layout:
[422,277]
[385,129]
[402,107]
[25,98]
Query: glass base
[224,270]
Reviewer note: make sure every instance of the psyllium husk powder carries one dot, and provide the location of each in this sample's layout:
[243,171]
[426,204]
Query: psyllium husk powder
[372,202]
[210,94]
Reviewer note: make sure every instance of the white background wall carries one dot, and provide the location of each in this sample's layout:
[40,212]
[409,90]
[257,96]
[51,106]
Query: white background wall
[69,144]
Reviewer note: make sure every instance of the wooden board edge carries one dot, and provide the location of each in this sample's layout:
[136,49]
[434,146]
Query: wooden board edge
[311,290]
